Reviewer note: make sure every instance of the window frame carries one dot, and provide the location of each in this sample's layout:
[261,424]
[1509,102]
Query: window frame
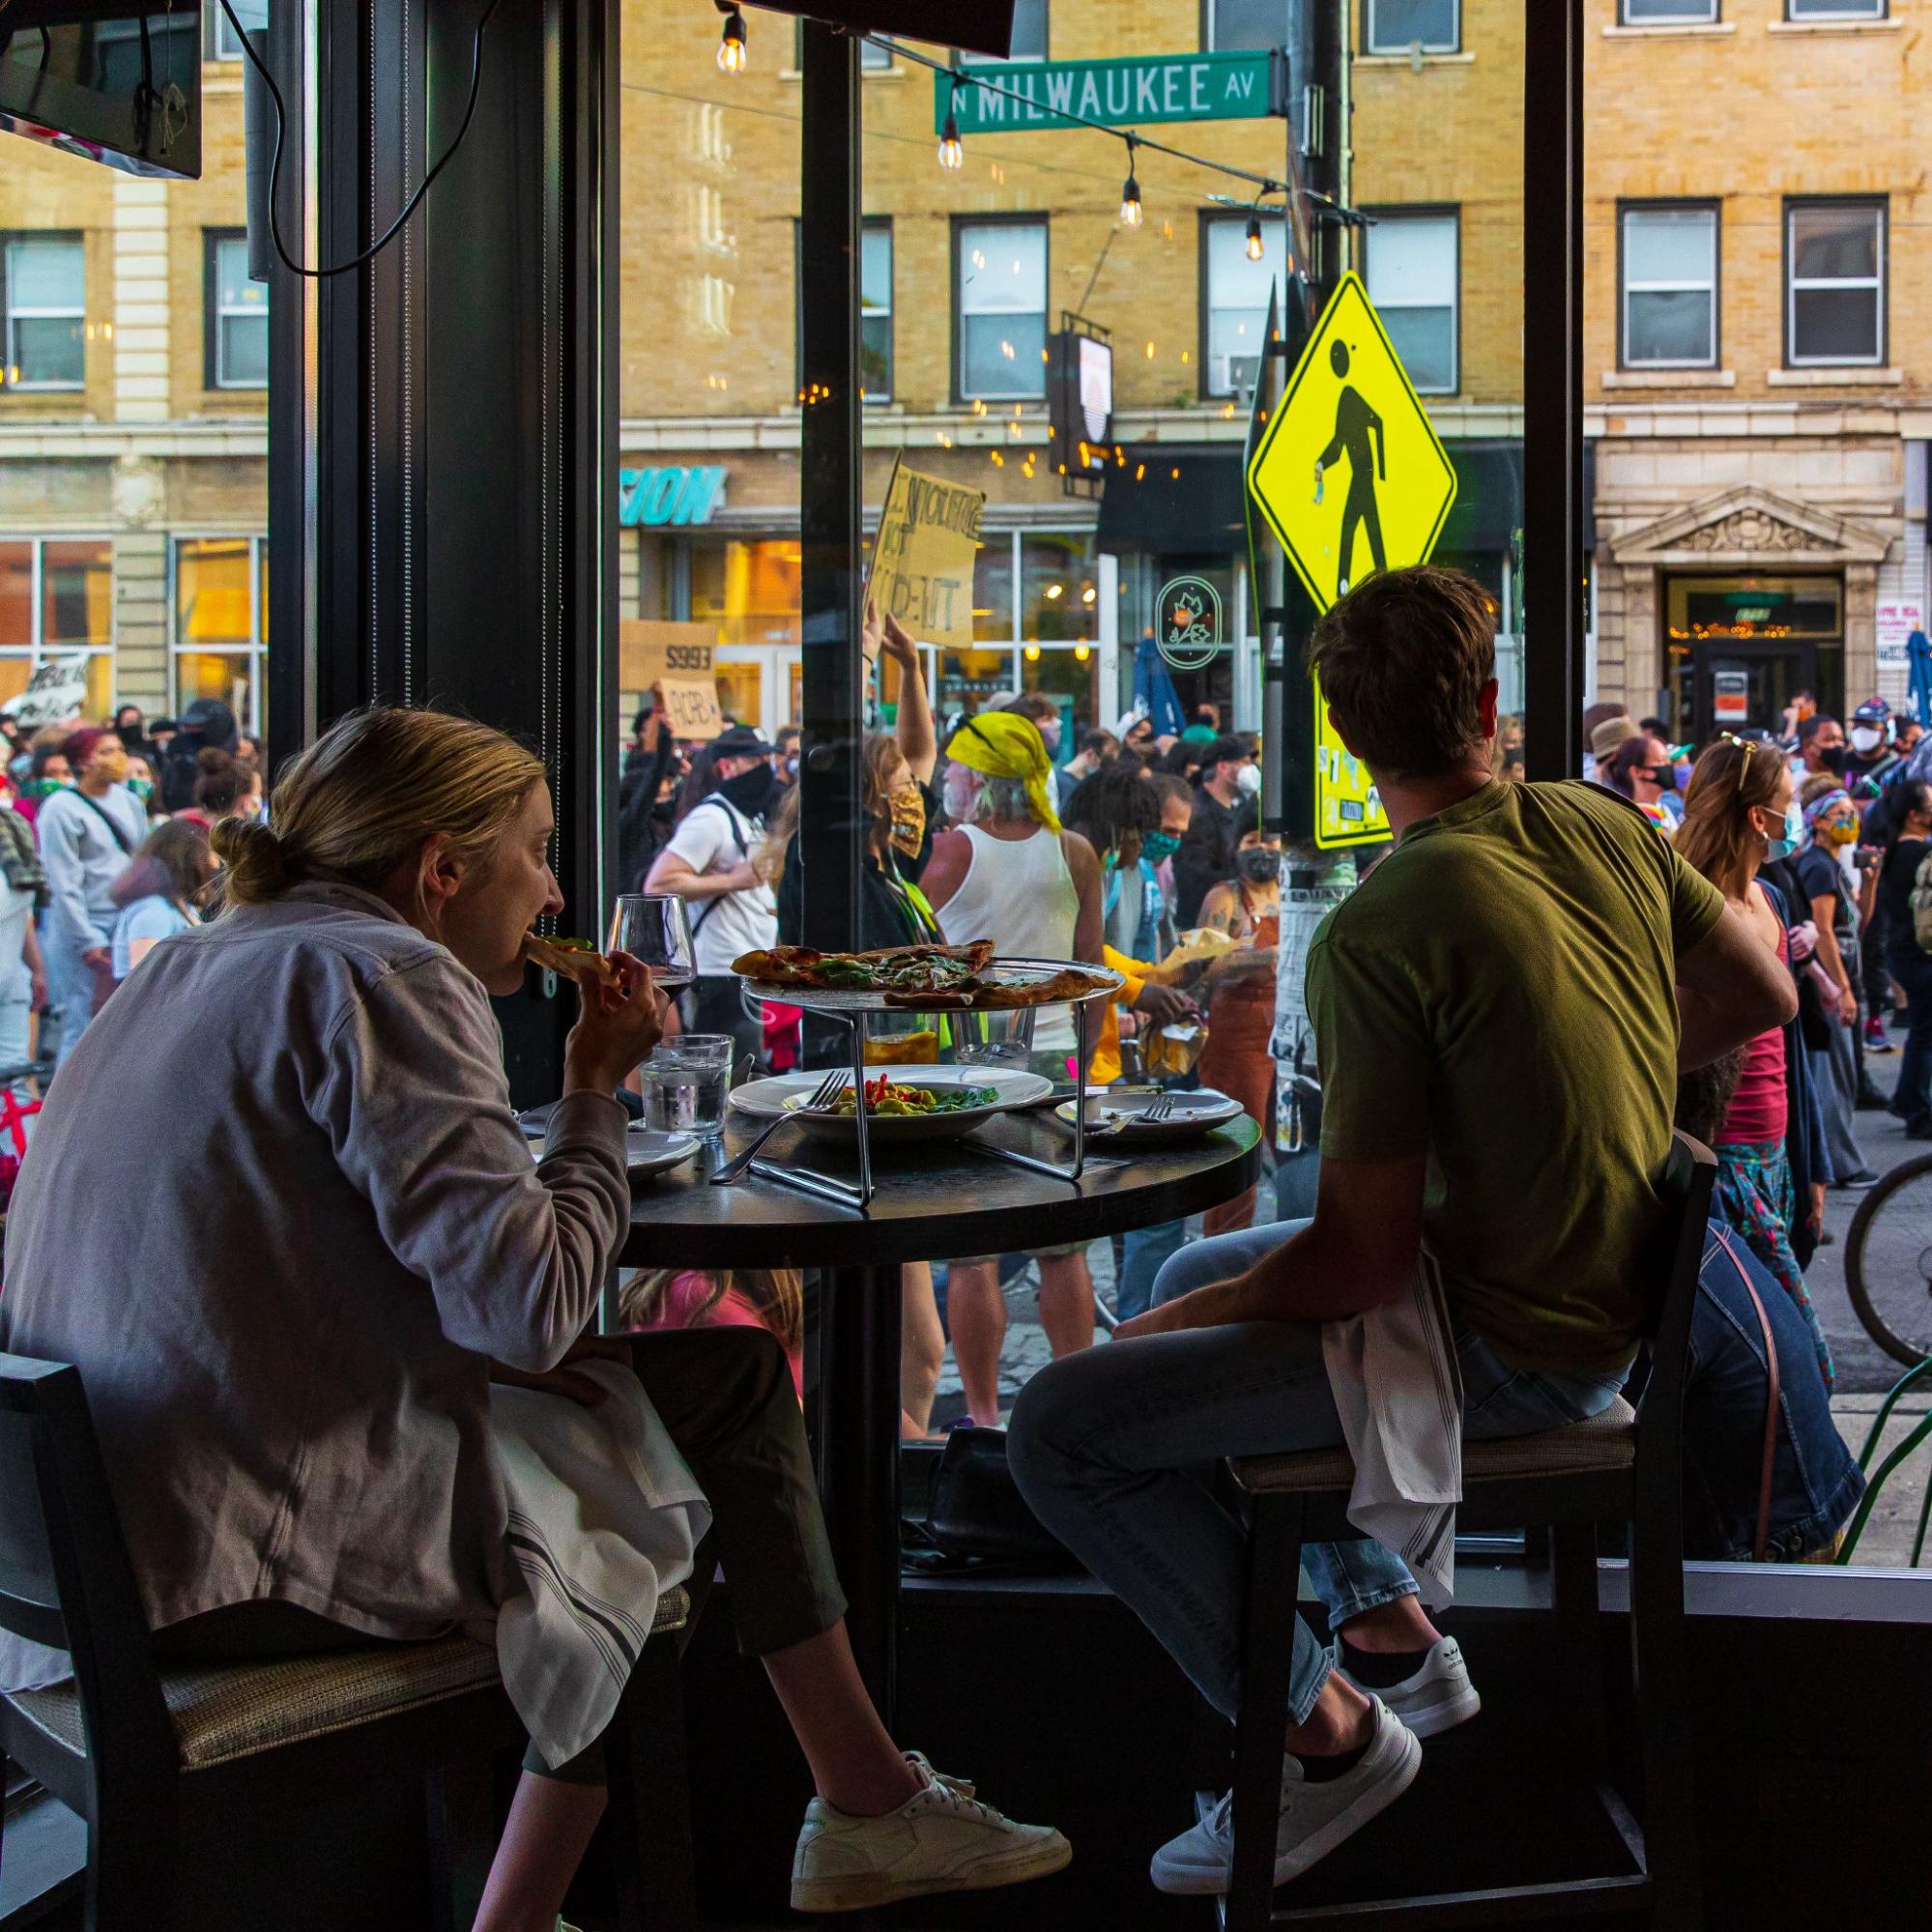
[1391,213]
[1452,45]
[1653,205]
[213,314]
[1209,218]
[1879,205]
[1842,11]
[1712,15]
[1046,37]
[866,223]
[19,386]
[37,652]
[959,224]
[255,647]
[1208,12]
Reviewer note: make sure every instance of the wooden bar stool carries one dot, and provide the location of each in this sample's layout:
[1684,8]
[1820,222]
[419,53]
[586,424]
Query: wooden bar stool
[160,1761]
[1621,1466]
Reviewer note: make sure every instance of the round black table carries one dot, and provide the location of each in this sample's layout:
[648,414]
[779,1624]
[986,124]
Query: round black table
[936,1201]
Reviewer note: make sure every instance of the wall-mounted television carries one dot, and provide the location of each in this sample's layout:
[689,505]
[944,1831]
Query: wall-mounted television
[120,85]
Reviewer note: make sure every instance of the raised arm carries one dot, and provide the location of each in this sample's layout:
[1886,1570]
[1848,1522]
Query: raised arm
[1731,987]
[918,742]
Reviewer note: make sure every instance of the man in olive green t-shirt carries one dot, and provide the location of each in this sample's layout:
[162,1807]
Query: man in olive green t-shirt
[1501,1010]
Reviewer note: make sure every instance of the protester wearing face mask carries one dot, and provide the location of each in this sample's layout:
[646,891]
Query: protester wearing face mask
[1226,805]
[1096,749]
[709,861]
[1828,875]
[1820,745]
[47,772]
[1641,770]
[1868,749]
[1239,906]
[1738,811]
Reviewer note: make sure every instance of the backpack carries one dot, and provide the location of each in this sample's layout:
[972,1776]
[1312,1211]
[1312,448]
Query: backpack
[1921,904]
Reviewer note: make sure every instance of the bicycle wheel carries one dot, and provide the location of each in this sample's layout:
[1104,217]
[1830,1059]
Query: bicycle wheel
[1888,1261]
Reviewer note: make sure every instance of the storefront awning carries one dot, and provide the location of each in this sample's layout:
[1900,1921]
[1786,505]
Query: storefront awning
[1488,507]
[1174,499]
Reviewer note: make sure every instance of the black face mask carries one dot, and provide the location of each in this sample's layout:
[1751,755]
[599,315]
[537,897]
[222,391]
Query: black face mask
[1833,758]
[1260,866]
[1662,776]
[750,791]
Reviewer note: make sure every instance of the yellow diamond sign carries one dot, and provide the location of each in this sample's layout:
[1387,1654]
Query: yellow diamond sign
[1352,479]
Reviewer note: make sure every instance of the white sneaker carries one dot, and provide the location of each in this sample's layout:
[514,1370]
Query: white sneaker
[1436,1698]
[1315,1818]
[940,1840]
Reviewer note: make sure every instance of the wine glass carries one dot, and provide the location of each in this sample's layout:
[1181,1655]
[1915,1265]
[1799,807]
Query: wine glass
[654,929]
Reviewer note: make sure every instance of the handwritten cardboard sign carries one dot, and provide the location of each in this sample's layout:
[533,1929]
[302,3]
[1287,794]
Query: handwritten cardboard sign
[649,649]
[692,706]
[922,558]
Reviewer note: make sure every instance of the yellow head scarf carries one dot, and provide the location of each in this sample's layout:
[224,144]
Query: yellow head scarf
[1002,744]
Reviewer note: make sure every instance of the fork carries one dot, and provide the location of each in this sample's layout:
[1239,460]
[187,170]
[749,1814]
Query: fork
[1163,1109]
[824,1094]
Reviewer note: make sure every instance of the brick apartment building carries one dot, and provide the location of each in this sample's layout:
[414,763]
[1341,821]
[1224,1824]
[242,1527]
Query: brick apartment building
[1758,472]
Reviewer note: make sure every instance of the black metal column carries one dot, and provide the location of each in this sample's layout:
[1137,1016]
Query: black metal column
[1553,573]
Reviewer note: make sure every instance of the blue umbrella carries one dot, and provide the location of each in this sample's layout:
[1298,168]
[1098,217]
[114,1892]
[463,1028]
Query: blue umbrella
[1918,648]
[1154,691]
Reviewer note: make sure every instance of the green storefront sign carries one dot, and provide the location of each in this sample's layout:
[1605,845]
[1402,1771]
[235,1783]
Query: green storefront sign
[1234,86]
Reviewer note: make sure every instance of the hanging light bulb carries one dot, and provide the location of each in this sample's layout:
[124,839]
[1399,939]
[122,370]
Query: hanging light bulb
[1130,211]
[1254,246]
[730,45]
[952,151]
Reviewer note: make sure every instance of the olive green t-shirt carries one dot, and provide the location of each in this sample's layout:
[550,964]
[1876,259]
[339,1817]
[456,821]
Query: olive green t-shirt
[1498,993]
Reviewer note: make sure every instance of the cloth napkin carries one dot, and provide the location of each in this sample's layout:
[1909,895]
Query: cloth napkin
[1399,1393]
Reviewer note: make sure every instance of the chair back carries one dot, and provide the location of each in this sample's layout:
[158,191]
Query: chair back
[1690,1174]
[65,1578]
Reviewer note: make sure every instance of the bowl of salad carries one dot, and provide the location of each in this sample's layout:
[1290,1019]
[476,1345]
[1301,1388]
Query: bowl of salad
[925,1103]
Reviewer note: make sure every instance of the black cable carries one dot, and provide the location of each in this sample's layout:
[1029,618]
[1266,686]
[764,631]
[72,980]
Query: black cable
[395,228]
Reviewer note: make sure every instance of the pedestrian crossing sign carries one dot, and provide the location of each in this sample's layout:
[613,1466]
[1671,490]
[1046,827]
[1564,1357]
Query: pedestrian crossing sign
[1350,474]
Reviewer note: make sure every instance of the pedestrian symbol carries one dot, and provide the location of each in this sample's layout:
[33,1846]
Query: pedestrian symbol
[1350,474]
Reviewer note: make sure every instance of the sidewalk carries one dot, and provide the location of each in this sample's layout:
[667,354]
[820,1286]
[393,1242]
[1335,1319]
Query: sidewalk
[1887,1538]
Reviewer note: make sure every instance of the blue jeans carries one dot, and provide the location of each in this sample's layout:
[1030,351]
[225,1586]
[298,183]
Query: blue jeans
[70,986]
[1144,1252]
[1912,1099]
[1115,1448]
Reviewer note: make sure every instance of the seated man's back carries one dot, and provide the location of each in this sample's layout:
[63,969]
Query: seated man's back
[1511,960]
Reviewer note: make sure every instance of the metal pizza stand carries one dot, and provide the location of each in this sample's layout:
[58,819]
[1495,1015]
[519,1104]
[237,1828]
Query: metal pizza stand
[850,1009]
[938,1201]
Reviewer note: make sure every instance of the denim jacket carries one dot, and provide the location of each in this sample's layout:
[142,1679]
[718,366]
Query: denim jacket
[1815,1481]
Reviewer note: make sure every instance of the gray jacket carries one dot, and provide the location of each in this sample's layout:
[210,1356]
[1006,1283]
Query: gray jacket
[283,1301]
[83,859]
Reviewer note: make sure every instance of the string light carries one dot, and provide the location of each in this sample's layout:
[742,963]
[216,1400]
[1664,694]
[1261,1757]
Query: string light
[952,149]
[1130,211]
[1254,244]
[731,43]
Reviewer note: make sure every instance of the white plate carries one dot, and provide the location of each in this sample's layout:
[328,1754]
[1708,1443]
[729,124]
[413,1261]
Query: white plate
[786,1094]
[1194,1114]
[648,1150]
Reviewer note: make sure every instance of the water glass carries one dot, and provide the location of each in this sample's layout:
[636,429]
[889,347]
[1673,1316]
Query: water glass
[684,1091]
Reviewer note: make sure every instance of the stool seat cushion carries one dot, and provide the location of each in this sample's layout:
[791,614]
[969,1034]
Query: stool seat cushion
[1605,1441]
[227,1711]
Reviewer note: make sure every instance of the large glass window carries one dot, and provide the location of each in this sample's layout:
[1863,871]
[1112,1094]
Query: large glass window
[1247,23]
[1000,275]
[1669,317]
[220,610]
[238,317]
[875,297]
[43,289]
[750,591]
[223,43]
[1835,268]
[1397,26]
[1413,266]
[1234,310]
[1655,13]
[1836,10]
[57,598]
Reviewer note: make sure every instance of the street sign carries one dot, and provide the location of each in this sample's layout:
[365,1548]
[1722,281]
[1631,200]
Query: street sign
[1351,474]
[1351,478]
[1237,86]
[1187,623]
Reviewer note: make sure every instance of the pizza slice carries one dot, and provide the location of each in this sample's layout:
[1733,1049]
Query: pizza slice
[573,959]
[1070,983]
[888,969]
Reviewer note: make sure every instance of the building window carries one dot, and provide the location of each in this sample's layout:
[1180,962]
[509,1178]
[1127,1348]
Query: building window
[220,623]
[1235,316]
[237,311]
[1246,23]
[1046,638]
[872,58]
[875,302]
[1667,12]
[44,291]
[57,598]
[1834,274]
[1400,26]
[1000,274]
[223,43]
[1029,30]
[1412,281]
[1835,9]
[1669,259]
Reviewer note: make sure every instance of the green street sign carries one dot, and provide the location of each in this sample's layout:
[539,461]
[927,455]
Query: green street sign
[1237,86]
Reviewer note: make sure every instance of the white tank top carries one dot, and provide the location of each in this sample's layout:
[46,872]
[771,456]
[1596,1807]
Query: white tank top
[1019,894]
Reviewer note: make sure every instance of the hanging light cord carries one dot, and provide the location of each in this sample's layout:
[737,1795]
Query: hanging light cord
[409,207]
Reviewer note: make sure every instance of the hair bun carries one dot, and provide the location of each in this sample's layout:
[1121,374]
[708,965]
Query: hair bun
[259,864]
